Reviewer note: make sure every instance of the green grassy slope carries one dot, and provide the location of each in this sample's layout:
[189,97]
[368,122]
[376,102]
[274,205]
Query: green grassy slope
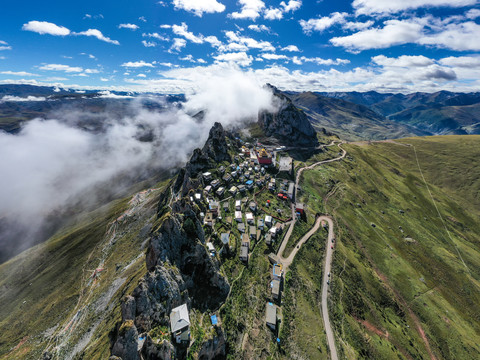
[40,288]
[400,288]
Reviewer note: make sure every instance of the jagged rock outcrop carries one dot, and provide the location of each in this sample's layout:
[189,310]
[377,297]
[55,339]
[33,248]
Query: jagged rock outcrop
[289,124]
[214,151]
[215,348]
[178,243]
[126,346]
[157,294]
[154,351]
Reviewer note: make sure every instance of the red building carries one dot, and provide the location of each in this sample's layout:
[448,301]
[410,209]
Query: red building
[264,158]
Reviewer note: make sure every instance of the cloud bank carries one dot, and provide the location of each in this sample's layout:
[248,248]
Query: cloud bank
[53,162]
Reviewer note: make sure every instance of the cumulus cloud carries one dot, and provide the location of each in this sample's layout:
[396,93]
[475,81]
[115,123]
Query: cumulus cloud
[291,48]
[394,32]
[61,67]
[259,28]
[403,61]
[461,61]
[98,34]
[44,27]
[238,43]
[128,26]
[250,9]
[17,73]
[270,56]
[137,64]
[323,23]
[369,7]
[156,36]
[199,7]
[448,33]
[241,58]
[149,43]
[177,45]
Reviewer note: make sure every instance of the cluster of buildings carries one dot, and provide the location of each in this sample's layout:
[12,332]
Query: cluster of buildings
[275,288]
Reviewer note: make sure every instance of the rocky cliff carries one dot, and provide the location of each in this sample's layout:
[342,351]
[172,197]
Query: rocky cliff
[214,151]
[289,124]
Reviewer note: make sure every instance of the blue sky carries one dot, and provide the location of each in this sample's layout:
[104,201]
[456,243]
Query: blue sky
[147,45]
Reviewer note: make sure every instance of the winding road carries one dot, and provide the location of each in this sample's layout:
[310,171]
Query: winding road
[286,262]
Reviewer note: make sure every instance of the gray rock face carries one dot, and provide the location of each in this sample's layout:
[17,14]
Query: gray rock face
[206,287]
[153,351]
[289,125]
[157,294]
[214,151]
[214,349]
[126,346]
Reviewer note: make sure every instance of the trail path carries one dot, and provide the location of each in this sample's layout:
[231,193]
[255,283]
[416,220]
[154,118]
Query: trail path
[286,262]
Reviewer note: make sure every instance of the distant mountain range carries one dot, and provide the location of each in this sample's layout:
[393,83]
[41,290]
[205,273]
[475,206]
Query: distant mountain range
[437,113]
[350,115]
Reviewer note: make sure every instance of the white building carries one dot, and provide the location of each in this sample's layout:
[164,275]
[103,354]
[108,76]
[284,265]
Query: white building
[180,324]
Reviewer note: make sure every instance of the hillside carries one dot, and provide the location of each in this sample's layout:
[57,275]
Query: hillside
[405,282]
[349,120]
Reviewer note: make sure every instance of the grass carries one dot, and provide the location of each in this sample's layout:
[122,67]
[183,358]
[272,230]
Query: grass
[404,271]
[47,279]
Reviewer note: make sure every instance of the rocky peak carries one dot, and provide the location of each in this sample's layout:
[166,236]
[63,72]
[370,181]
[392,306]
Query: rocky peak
[288,124]
[214,151]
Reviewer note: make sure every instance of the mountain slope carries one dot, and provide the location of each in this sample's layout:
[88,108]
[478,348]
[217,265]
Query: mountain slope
[405,282]
[436,113]
[350,121]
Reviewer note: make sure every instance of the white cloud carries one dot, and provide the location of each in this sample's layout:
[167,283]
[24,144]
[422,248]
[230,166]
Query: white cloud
[368,7]
[273,14]
[177,45]
[462,61]
[350,25]
[460,37]
[182,30]
[142,75]
[293,5]
[250,9]
[17,73]
[92,71]
[403,61]
[198,7]
[291,48]
[259,28]
[240,58]
[394,32]
[472,14]
[142,19]
[201,61]
[98,34]
[20,99]
[44,27]
[156,36]
[137,64]
[270,56]
[212,40]
[2,47]
[149,43]
[244,43]
[128,26]
[430,31]
[188,57]
[323,23]
[61,67]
